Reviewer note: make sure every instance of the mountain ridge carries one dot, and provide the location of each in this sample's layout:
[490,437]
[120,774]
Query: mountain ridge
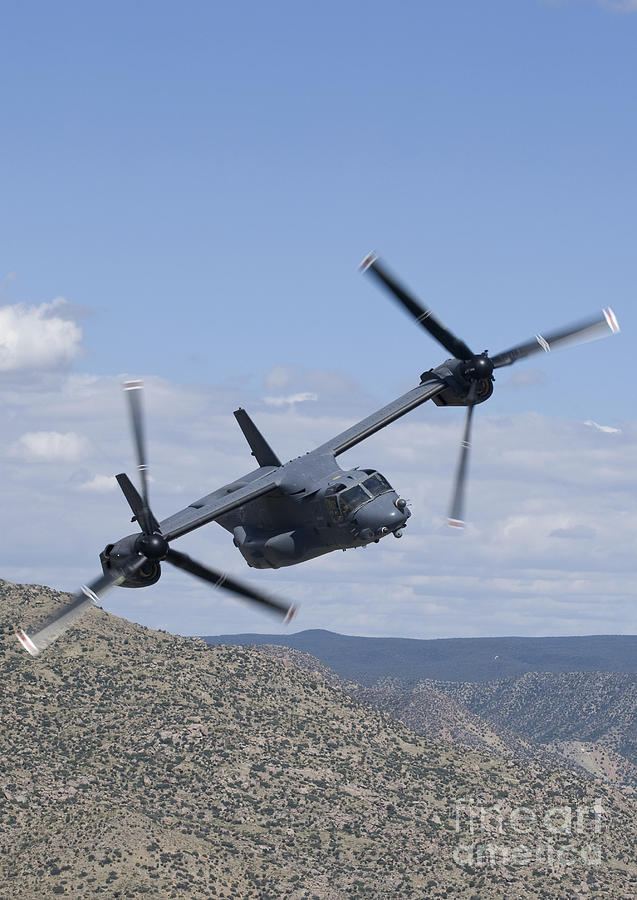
[367,659]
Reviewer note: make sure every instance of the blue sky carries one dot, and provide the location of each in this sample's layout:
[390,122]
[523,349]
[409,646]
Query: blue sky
[199,182]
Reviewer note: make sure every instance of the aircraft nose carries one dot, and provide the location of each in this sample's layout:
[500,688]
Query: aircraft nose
[381,515]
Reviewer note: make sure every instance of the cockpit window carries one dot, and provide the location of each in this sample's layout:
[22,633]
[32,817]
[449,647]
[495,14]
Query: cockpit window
[352,498]
[332,507]
[376,485]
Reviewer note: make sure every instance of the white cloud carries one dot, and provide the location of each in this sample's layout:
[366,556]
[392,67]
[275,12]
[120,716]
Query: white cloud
[279,378]
[99,484]
[575,532]
[287,385]
[291,399]
[52,446]
[37,337]
[607,429]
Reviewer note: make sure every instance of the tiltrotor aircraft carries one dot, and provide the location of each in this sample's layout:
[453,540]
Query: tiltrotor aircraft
[282,514]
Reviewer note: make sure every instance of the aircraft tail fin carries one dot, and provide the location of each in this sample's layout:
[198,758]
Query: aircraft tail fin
[261,450]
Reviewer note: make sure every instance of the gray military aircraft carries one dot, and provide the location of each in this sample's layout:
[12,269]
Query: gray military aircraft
[282,514]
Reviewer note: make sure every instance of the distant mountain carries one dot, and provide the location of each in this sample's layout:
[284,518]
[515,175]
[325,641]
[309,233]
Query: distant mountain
[366,660]
[135,763]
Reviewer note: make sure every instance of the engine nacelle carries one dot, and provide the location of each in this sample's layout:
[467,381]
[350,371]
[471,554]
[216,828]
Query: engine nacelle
[451,397]
[456,393]
[149,573]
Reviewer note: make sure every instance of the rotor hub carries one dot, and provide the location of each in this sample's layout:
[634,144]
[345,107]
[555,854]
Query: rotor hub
[479,367]
[152,546]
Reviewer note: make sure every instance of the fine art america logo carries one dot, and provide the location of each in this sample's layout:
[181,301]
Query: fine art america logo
[555,836]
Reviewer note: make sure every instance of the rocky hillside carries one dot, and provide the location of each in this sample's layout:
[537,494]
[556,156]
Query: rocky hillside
[423,709]
[590,717]
[429,711]
[551,707]
[585,718]
[136,763]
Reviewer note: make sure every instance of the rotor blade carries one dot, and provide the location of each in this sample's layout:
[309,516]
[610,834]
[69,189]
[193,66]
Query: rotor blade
[589,330]
[421,314]
[142,513]
[133,390]
[456,511]
[219,579]
[61,621]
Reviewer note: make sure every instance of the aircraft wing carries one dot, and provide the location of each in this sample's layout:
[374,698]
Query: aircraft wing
[383,417]
[218,503]
[265,480]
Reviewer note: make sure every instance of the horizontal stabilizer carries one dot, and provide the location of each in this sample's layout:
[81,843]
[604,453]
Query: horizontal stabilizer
[261,450]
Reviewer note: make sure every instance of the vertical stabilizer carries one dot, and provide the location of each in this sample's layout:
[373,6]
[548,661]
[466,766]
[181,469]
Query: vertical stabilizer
[261,450]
